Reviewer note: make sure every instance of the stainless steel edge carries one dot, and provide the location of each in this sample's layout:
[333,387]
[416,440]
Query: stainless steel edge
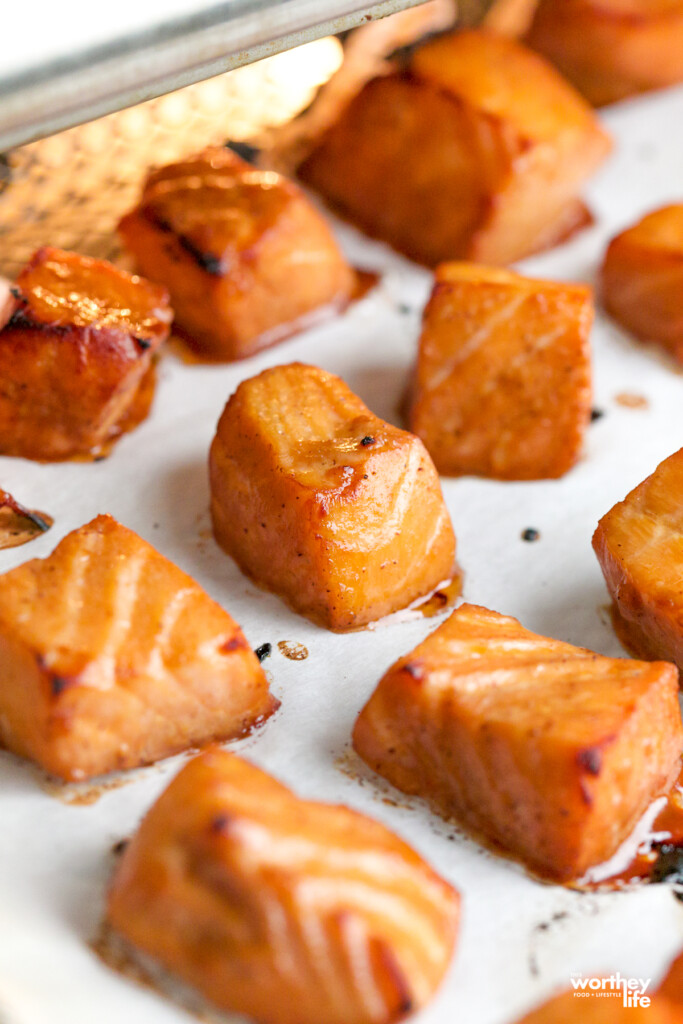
[84,85]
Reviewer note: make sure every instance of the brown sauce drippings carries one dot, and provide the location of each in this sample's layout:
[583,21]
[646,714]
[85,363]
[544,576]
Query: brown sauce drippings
[120,956]
[442,599]
[659,856]
[629,400]
[366,280]
[19,525]
[293,650]
[80,794]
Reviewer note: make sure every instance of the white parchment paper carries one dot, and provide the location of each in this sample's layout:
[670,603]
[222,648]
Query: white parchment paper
[520,939]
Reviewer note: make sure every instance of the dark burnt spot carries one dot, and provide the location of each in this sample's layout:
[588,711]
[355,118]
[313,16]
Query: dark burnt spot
[263,652]
[597,414]
[219,824]
[22,319]
[143,343]
[208,261]
[414,670]
[530,534]
[59,684]
[590,760]
[120,847]
[235,643]
[368,440]
[244,150]
[15,292]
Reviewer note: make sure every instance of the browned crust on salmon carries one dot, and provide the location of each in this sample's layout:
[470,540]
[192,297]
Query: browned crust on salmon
[287,911]
[111,657]
[246,257]
[502,386]
[547,750]
[319,500]
[75,354]
[611,49]
[477,151]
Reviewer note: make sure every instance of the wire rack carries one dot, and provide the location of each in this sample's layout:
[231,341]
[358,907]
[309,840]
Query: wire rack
[70,189]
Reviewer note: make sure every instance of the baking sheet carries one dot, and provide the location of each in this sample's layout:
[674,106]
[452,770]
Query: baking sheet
[520,939]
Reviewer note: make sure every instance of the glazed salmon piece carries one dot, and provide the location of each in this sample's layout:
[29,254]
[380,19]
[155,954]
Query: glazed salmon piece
[546,750]
[502,386]
[610,49]
[246,257]
[568,1008]
[338,512]
[286,911]
[77,327]
[639,544]
[642,279]
[477,151]
[111,657]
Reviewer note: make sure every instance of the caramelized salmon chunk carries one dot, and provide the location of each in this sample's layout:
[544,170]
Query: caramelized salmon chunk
[604,1006]
[477,151]
[639,544]
[611,49]
[285,911]
[546,750]
[76,355]
[338,512]
[111,657]
[246,257]
[503,380]
[642,279]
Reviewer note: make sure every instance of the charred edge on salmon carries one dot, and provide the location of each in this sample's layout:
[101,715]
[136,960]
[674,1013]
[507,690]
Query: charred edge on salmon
[22,319]
[59,684]
[244,150]
[208,261]
[219,824]
[235,643]
[590,759]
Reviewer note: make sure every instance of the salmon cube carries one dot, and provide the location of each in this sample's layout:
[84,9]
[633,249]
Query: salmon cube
[76,327]
[111,657]
[642,279]
[610,49]
[602,1007]
[285,911]
[545,750]
[317,499]
[503,379]
[639,544]
[246,257]
[477,151]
